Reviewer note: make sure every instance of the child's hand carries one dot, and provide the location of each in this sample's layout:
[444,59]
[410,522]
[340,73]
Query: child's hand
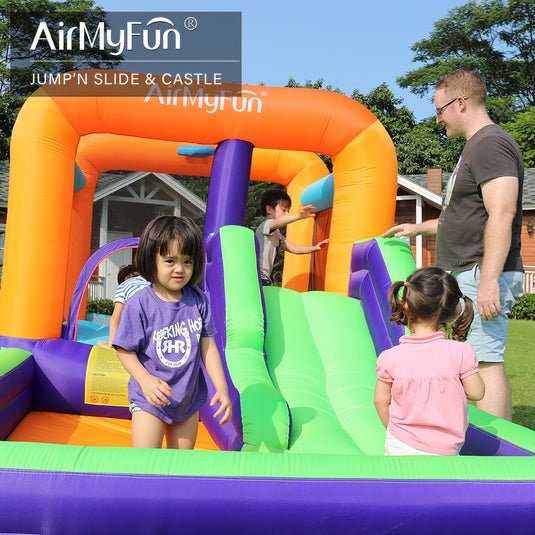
[305,211]
[319,246]
[104,343]
[156,391]
[226,406]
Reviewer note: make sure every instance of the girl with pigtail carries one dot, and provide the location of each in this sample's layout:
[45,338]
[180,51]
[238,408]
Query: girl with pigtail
[424,382]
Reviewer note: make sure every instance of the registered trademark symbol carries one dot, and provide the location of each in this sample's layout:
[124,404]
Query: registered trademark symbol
[190,23]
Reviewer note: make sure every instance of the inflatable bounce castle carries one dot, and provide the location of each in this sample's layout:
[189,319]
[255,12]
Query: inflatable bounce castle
[304,452]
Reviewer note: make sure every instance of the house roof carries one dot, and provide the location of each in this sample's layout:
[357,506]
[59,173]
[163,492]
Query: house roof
[415,184]
[111,182]
[419,187]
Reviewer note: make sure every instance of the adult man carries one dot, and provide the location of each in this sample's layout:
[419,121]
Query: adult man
[478,231]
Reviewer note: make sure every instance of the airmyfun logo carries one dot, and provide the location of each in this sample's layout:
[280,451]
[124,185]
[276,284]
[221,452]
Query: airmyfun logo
[134,35]
[124,54]
[239,100]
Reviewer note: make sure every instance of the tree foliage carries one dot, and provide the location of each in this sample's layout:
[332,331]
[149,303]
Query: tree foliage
[522,128]
[425,145]
[524,308]
[395,117]
[9,109]
[18,22]
[418,145]
[309,84]
[100,306]
[495,38]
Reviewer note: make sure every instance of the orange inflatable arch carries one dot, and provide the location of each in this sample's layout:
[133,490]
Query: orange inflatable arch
[48,225]
[293,169]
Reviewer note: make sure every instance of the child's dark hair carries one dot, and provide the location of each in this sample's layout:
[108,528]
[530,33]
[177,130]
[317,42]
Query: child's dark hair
[157,237]
[272,197]
[126,272]
[431,293]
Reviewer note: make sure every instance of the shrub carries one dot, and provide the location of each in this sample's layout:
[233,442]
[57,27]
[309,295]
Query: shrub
[524,308]
[100,306]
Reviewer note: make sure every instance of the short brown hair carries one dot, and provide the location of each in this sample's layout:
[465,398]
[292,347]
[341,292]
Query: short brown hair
[157,238]
[272,197]
[126,272]
[464,84]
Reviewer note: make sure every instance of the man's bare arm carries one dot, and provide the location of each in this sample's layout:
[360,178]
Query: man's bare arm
[426,228]
[500,197]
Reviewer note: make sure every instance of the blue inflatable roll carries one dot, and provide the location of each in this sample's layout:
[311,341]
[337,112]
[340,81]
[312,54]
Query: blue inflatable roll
[201,151]
[79,179]
[319,194]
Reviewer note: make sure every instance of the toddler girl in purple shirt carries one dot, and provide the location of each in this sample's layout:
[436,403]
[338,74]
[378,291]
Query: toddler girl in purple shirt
[165,331]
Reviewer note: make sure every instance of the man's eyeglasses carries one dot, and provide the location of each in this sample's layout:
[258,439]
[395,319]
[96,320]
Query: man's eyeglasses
[440,110]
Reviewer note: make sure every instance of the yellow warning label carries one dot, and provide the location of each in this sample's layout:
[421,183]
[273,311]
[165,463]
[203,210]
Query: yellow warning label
[106,381]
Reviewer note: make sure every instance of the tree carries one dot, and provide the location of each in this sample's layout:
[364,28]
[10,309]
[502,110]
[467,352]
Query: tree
[396,118]
[418,145]
[9,109]
[426,145]
[309,84]
[522,128]
[493,37]
[19,20]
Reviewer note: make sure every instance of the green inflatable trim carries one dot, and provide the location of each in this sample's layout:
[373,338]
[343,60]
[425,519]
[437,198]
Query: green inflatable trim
[11,357]
[514,433]
[80,459]
[397,256]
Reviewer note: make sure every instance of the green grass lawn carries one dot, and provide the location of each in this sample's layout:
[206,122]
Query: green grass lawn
[519,365]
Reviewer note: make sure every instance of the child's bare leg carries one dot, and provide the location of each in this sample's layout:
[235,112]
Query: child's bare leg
[183,436]
[147,430]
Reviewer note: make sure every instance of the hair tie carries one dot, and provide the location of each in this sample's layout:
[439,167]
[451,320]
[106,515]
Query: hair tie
[405,284]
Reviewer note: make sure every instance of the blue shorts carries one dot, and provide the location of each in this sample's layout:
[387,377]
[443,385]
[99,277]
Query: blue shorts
[488,338]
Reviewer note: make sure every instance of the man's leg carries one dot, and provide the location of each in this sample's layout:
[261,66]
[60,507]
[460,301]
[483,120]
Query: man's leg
[497,399]
[488,338]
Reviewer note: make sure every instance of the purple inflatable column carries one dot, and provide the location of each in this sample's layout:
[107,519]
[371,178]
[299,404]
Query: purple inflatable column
[227,202]
[229,185]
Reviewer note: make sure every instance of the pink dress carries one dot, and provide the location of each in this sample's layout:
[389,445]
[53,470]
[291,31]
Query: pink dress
[429,410]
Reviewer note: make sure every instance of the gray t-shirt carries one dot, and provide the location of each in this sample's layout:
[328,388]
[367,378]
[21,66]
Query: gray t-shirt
[488,154]
[166,337]
[269,242]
